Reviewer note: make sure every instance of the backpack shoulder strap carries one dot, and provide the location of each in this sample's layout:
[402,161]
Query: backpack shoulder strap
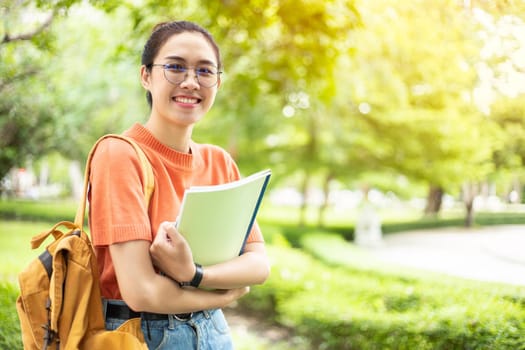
[147,173]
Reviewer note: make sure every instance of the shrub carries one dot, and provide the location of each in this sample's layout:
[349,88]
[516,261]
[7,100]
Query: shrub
[10,331]
[52,211]
[334,296]
[339,303]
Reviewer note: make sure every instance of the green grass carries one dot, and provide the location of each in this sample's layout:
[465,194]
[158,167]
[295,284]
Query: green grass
[15,254]
[15,247]
[336,220]
[10,337]
[333,216]
[332,294]
[392,220]
[28,210]
[338,297]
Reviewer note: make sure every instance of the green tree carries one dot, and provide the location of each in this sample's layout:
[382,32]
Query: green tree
[411,82]
[279,55]
[334,90]
[294,56]
[98,84]
[508,115]
[25,121]
[31,107]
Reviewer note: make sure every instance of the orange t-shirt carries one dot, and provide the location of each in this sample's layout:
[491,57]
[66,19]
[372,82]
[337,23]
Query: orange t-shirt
[117,211]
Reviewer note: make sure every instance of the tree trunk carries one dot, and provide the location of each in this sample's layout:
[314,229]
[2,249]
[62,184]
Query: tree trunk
[324,206]
[304,204]
[434,200]
[469,217]
[469,194]
[77,179]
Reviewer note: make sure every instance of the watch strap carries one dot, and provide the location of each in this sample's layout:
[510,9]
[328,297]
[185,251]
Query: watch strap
[197,278]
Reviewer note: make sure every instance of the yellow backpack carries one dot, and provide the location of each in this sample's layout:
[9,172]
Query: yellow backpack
[60,304]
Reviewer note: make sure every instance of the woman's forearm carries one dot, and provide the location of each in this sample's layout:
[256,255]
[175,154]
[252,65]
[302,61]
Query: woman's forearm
[248,269]
[143,289]
[172,255]
[167,297]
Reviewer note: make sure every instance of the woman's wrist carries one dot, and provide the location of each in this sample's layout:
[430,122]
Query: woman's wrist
[197,278]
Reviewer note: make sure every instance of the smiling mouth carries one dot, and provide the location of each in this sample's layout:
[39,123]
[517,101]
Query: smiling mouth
[187,100]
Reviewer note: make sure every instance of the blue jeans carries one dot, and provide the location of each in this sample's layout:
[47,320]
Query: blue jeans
[205,330]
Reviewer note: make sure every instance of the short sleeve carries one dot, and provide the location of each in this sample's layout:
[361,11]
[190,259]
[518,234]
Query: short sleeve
[117,208]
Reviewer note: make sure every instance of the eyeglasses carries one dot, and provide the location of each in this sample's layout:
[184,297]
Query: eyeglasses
[175,73]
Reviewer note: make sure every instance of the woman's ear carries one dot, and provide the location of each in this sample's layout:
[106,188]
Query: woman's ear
[145,77]
[219,82]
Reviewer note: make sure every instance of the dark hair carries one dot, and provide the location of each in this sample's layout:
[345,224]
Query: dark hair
[162,32]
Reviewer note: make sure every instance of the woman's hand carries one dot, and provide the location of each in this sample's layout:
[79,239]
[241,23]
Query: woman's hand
[233,294]
[146,290]
[171,253]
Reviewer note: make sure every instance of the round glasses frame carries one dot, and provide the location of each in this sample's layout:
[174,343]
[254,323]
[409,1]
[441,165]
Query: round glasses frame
[183,71]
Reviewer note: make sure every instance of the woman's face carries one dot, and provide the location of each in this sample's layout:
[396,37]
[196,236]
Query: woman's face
[185,103]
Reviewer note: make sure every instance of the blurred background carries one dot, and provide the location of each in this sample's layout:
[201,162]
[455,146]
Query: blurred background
[376,117]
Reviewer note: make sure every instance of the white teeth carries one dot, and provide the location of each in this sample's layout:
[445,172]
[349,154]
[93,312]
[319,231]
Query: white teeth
[186,100]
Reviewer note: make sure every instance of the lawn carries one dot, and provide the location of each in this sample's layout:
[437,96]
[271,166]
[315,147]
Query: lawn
[15,247]
[16,253]
[329,294]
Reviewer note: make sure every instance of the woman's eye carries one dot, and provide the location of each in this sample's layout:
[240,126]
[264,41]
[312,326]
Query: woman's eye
[176,68]
[204,71]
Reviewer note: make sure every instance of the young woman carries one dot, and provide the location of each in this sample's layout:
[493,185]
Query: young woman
[146,266]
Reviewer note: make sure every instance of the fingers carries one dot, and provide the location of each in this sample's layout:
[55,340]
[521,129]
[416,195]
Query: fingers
[172,254]
[238,293]
[164,238]
[171,230]
[166,233]
[168,227]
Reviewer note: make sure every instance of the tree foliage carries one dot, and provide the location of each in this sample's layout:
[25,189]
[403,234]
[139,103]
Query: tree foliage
[353,91]
[25,119]
[32,105]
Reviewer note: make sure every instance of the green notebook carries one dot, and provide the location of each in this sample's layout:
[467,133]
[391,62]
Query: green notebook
[216,220]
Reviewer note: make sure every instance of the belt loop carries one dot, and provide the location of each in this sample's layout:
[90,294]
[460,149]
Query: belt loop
[147,325]
[171,322]
[206,313]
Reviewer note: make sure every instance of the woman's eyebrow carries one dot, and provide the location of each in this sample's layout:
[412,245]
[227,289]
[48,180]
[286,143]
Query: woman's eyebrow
[182,59]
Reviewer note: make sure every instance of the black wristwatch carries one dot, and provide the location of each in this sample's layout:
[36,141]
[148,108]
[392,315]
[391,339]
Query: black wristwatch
[197,278]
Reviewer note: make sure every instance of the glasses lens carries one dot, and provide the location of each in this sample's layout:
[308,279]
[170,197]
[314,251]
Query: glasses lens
[175,74]
[206,76]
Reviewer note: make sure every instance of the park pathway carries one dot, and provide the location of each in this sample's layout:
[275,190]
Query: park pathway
[490,253]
